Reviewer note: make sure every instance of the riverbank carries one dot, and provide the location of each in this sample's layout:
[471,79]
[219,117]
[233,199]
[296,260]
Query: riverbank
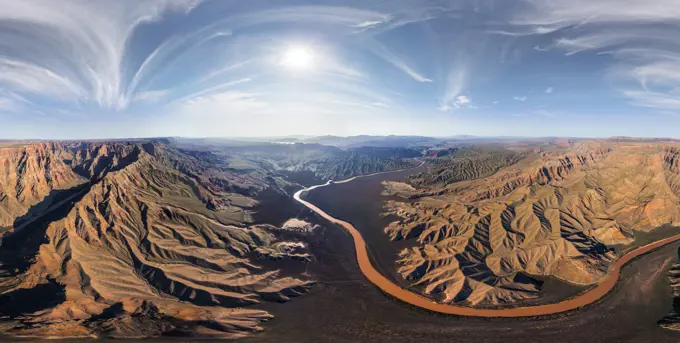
[377,278]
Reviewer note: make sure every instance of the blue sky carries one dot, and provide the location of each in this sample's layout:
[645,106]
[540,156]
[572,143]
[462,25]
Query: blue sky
[129,68]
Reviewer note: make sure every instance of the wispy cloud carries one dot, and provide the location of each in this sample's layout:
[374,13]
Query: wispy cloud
[463,100]
[655,100]
[383,52]
[169,51]
[206,92]
[349,17]
[640,35]
[370,57]
[221,71]
[372,23]
[460,101]
[31,78]
[14,103]
[7,105]
[151,96]
[455,84]
[550,13]
[76,51]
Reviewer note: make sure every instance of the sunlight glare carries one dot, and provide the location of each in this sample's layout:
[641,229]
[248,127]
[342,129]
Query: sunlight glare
[298,58]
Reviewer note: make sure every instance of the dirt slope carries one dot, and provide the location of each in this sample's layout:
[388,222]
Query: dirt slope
[557,213]
[154,241]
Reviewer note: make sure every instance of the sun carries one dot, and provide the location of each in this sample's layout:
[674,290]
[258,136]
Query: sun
[298,58]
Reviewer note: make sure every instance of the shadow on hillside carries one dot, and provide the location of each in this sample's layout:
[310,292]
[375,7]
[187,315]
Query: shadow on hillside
[30,300]
[19,248]
[98,168]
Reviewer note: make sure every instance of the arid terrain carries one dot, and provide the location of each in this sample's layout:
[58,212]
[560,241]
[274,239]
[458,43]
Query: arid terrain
[148,238]
[202,238]
[344,306]
[340,171]
[484,220]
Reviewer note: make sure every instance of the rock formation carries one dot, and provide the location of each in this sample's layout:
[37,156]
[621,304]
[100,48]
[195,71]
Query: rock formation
[553,212]
[143,240]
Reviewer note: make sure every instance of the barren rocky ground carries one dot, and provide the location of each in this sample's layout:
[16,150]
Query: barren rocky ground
[549,212]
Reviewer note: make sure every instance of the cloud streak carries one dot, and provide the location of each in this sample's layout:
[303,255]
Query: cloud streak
[78,48]
[455,84]
[82,53]
[640,35]
[383,52]
[372,59]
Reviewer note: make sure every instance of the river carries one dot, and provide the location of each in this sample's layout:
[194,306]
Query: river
[346,307]
[378,279]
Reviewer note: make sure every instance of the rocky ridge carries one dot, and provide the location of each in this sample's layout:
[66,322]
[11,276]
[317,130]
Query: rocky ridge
[147,240]
[554,213]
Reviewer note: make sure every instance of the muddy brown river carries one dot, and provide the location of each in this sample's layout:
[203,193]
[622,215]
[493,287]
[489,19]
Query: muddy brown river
[378,279]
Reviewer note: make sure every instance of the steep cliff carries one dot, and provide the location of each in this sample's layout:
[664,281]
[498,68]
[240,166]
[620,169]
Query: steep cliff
[31,173]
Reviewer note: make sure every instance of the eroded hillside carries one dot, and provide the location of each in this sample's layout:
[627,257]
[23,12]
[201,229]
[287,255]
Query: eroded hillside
[28,174]
[552,212]
[327,162]
[464,163]
[142,240]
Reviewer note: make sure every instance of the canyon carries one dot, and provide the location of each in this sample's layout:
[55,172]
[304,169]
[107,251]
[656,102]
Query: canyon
[188,237]
[555,212]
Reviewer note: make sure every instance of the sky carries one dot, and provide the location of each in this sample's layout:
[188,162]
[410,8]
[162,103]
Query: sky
[78,69]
